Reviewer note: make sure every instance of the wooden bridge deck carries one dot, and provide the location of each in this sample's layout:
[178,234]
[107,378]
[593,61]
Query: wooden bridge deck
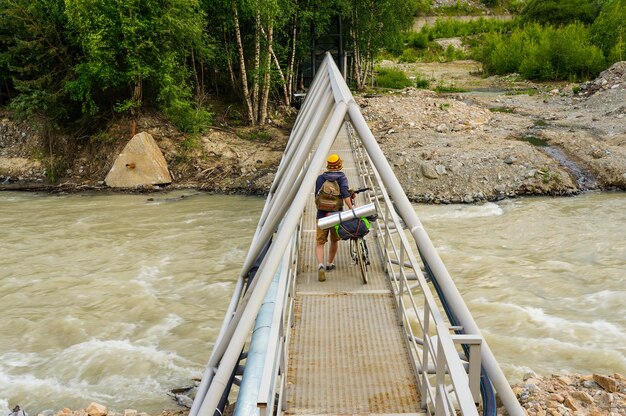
[347,354]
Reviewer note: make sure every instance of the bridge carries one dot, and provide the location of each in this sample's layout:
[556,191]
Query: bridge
[405,343]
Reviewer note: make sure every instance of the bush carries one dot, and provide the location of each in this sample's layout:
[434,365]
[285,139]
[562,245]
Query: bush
[608,31]
[560,12]
[408,56]
[418,40]
[392,78]
[543,53]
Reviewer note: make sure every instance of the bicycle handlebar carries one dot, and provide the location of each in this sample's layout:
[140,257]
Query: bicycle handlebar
[358,191]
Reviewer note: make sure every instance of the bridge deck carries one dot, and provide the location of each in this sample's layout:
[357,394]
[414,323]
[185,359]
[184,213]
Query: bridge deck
[346,352]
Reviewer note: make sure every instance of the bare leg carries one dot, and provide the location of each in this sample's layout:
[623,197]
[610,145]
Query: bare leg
[319,253]
[334,245]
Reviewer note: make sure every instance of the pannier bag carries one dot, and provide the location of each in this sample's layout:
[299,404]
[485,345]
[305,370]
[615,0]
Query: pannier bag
[354,228]
[329,197]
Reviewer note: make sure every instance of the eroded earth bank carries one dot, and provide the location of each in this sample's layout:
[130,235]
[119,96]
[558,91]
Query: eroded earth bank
[500,138]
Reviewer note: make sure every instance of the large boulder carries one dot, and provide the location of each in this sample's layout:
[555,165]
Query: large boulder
[141,163]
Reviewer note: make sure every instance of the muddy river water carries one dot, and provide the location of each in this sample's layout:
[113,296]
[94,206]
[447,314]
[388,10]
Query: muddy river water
[117,298]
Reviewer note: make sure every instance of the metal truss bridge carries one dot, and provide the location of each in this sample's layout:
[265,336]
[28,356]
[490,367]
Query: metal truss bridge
[405,343]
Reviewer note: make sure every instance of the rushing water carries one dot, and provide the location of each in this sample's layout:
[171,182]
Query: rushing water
[117,298]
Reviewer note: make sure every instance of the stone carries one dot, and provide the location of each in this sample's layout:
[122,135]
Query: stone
[429,171]
[141,163]
[571,403]
[441,128]
[583,396]
[130,412]
[441,169]
[606,383]
[556,397]
[510,160]
[95,409]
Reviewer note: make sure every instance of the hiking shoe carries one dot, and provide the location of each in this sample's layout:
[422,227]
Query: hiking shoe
[330,267]
[321,274]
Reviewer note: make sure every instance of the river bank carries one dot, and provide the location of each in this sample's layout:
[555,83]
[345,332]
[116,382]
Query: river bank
[500,138]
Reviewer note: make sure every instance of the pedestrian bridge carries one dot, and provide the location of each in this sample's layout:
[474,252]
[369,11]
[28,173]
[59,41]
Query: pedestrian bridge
[405,343]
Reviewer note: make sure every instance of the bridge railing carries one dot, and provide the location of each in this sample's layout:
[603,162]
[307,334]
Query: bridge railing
[444,384]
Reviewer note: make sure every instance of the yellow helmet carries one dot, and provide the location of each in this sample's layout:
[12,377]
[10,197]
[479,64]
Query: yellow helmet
[334,162]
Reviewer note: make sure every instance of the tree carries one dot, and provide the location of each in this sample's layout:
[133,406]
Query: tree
[374,25]
[608,31]
[35,57]
[561,12]
[134,52]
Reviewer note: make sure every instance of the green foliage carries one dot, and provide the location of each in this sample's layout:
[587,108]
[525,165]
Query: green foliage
[608,31]
[133,52]
[392,78]
[260,135]
[443,89]
[409,56]
[422,83]
[417,40]
[543,53]
[34,56]
[423,7]
[561,12]
[450,28]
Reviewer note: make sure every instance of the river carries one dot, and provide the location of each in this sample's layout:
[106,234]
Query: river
[117,298]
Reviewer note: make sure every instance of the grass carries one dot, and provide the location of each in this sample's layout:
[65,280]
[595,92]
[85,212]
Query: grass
[442,89]
[535,141]
[528,91]
[392,78]
[260,135]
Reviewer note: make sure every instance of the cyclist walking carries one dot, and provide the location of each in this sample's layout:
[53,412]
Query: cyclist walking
[331,192]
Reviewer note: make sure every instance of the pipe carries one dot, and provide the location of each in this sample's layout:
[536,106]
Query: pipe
[341,216]
[425,245]
[253,372]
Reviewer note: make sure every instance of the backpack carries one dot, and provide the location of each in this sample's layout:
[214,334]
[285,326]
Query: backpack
[354,228]
[329,197]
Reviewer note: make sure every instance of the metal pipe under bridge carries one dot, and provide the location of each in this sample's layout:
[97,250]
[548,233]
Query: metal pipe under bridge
[405,343]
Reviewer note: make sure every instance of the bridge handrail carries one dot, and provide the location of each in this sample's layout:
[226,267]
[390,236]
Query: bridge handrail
[433,351]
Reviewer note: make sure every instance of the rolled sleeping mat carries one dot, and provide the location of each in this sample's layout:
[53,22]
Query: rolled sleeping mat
[341,216]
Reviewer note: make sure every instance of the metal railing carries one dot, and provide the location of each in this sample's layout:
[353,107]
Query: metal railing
[442,378]
[432,349]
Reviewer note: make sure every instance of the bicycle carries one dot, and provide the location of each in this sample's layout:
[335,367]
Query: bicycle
[360,256]
[358,247]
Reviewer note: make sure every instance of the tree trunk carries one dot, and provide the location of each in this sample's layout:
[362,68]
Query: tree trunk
[292,60]
[279,69]
[257,62]
[266,74]
[229,61]
[242,68]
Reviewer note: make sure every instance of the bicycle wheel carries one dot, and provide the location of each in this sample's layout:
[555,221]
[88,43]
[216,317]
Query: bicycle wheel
[361,260]
[353,253]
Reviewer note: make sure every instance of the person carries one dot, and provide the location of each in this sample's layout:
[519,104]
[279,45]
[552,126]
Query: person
[333,173]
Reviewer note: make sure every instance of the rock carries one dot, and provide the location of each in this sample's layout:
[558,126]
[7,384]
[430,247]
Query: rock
[606,383]
[571,403]
[583,396]
[441,169]
[510,160]
[130,412]
[429,171]
[141,163]
[441,128]
[95,409]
